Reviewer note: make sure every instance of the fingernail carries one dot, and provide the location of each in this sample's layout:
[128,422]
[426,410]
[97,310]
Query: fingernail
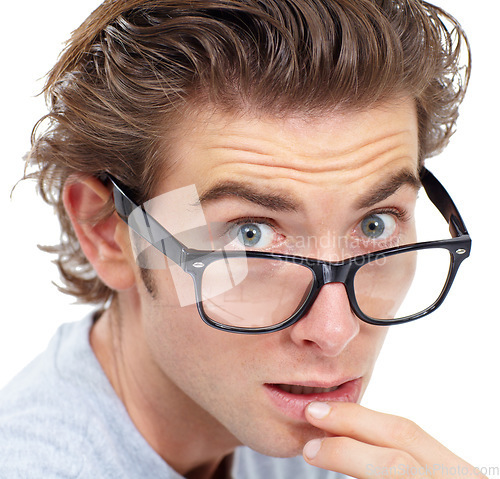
[312,448]
[318,410]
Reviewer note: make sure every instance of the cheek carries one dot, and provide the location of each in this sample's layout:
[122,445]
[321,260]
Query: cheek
[371,341]
[171,317]
[191,353]
[163,279]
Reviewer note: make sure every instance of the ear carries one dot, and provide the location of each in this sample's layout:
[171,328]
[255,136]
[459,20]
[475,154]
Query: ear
[105,244]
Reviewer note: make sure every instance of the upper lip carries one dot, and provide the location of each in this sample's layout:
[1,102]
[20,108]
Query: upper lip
[317,384]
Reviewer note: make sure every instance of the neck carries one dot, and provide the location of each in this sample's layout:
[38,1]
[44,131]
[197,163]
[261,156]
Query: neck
[188,438]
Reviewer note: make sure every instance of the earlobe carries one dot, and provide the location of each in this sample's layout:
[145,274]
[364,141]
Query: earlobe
[105,243]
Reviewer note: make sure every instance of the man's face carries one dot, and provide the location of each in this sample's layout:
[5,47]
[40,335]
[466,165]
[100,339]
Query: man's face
[239,386]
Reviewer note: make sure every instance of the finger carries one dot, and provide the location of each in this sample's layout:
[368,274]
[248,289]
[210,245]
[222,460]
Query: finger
[379,429]
[363,461]
[358,422]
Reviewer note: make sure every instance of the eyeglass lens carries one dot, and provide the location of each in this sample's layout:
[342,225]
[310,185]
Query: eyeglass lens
[260,292]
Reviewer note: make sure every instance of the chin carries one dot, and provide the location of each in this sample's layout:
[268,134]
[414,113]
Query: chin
[288,443]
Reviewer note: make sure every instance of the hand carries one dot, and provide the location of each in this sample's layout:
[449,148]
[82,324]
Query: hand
[372,445]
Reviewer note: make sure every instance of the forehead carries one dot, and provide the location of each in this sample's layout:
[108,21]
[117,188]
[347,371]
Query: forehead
[325,151]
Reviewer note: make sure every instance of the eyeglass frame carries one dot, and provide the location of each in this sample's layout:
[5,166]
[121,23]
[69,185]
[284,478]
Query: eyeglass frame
[194,262]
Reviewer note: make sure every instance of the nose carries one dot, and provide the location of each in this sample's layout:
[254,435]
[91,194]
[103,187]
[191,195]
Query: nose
[329,325]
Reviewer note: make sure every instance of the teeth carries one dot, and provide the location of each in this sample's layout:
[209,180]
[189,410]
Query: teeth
[305,389]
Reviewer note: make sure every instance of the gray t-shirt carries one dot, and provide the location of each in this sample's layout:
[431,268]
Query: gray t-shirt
[60,418]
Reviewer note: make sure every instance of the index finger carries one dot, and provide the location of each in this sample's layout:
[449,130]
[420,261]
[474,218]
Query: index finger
[380,429]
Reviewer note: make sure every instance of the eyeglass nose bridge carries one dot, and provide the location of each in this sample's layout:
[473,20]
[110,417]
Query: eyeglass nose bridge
[334,273]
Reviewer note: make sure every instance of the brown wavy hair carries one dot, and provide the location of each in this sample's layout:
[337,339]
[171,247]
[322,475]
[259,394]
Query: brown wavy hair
[131,69]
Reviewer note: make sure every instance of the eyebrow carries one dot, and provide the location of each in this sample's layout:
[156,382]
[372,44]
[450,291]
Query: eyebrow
[388,187]
[235,189]
[283,202]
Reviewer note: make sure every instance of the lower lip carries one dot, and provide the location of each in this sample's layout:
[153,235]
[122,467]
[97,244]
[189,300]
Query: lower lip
[294,405]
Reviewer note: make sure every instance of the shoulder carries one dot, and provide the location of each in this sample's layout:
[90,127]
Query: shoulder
[40,441]
[249,464]
[61,419]
[42,414]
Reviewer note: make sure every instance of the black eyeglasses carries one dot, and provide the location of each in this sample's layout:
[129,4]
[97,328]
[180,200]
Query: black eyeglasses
[256,292]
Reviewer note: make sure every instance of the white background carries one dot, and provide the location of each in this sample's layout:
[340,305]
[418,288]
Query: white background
[441,372]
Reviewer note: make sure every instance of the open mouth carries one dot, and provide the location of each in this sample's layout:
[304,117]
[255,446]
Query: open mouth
[292,399]
[292,389]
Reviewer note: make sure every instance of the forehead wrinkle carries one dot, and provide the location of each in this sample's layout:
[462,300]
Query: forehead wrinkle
[314,161]
[329,179]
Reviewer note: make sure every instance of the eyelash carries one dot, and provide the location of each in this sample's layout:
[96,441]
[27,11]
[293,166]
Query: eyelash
[250,219]
[401,214]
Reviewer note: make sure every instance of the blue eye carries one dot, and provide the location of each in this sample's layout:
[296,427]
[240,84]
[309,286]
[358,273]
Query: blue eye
[379,226]
[253,235]
[250,235]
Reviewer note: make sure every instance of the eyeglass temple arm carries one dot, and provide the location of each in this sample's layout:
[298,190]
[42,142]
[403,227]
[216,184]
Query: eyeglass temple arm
[443,202]
[145,225]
